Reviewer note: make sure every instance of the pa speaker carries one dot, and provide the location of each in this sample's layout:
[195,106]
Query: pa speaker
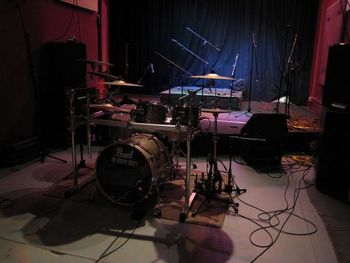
[337,81]
[60,70]
[262,139]
[333,167]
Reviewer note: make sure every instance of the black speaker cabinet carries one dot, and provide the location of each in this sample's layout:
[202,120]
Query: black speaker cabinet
[60,71]
[262,139]
[337,81]
[333,167]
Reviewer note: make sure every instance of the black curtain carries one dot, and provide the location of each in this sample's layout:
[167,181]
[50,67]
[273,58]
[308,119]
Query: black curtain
[262,32]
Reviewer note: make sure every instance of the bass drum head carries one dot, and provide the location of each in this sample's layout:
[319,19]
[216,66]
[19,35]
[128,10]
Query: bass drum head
[123,174]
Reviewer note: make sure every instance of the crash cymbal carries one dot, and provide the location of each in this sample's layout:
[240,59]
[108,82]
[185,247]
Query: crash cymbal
[121,83]
[104,75]
[215,110]
[211,76]
[108,107]
[95,62]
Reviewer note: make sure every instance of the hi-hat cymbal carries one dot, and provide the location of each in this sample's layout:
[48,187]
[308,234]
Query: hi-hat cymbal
[211,76]
[104,75]
[95,62]
[215,110]
[122,83]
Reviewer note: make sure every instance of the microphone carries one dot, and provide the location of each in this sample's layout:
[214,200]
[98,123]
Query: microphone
[152,68]
[253,38]
[295,38]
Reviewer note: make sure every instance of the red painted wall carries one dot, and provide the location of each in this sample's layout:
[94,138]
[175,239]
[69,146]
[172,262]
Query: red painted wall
[328,32]
[44,21]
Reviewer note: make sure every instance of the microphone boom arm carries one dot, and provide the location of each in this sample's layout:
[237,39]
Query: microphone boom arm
[192,53]
[173,63]
[205,41]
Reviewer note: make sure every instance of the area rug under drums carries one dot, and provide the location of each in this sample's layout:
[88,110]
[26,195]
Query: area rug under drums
[211,213]
[172,198]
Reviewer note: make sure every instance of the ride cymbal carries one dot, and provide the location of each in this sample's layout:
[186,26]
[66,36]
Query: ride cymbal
[211,76]
[122,83]
[104,75]
[216,110]
[95,62]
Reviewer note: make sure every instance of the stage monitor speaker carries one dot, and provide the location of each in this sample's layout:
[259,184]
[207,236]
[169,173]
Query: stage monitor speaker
[60,71]
[262,139]
[337,81]
[333,166]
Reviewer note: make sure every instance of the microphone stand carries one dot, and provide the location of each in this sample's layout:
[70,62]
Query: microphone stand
[144,73]
[204,40]
[173,63]
[38,110]
[192,53]
[253,46]
[233,76]
[282,72]
[290,68]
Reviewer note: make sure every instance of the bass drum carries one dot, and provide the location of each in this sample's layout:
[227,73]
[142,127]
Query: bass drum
[126,171]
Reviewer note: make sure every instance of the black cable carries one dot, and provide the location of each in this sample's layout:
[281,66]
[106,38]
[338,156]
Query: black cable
[271,218]
[67,29]
[78,20]
[121,245]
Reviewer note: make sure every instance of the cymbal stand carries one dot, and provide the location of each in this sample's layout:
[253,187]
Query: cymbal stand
[186,208]
[73,126]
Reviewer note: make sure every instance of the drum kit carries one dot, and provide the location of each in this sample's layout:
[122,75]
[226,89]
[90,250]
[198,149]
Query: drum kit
[128,171]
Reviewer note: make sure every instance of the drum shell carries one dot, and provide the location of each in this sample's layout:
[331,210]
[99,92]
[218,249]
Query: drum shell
[182,115]
[126,171]
[146,112]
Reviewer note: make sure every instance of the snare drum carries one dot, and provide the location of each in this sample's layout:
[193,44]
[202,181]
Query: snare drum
[147,112]
[126,171]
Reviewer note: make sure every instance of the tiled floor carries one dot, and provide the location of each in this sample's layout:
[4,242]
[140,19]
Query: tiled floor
[40,228]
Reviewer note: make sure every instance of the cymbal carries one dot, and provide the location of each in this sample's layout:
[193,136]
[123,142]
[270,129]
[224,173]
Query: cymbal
[122,83]
[211,76]
[95,62]
[109,107]
[104,75]
[215,110]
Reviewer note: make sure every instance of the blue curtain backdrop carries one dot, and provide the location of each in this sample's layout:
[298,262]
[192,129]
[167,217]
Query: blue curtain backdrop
[141,32]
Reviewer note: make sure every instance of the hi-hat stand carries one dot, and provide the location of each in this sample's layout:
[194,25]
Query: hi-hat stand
[212,184]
